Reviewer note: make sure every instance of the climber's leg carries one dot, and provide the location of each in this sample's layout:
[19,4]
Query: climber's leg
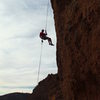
[50,41]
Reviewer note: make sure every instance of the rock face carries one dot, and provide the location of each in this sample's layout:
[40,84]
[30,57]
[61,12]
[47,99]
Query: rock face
[48,89]
[77,24]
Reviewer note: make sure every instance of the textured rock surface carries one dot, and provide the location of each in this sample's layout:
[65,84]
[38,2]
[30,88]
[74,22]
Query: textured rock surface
[77,25]
[48,89]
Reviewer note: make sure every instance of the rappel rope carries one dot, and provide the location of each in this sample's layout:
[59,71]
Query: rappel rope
[42,42]
[40,62]
[47,15]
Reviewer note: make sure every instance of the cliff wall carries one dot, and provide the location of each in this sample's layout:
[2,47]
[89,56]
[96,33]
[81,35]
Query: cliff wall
[77,25]
[47,89]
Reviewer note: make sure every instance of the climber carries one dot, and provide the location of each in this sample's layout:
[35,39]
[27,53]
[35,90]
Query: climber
[43,36]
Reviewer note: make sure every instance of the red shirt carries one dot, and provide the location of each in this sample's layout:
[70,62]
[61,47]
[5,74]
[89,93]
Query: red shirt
[42,34]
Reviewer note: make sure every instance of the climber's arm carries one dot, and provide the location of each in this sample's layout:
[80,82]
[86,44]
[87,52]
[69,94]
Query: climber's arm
[45,32]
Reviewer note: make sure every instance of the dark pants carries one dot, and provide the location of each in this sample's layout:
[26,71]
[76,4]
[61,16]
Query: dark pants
[47,38]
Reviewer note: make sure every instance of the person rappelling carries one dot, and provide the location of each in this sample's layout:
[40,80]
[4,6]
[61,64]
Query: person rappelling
[43,36]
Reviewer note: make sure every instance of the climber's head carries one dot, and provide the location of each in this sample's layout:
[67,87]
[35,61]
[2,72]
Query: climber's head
[42,30]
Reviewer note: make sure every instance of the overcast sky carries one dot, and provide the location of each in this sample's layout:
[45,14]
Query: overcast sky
[20,45]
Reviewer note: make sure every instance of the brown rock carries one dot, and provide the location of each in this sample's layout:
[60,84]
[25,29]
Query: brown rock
[48,89]
[78,48]
[77,25]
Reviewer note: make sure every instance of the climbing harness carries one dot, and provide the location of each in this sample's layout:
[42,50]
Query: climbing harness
[42,42]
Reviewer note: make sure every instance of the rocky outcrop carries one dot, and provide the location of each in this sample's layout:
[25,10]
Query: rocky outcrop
[15,96]
[77,26]
[48,89]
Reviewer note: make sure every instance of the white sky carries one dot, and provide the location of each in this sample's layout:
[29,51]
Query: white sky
[20,24]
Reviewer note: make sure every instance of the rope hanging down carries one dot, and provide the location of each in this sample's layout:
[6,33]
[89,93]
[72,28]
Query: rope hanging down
[42,42]
[40,62]
[47,15]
